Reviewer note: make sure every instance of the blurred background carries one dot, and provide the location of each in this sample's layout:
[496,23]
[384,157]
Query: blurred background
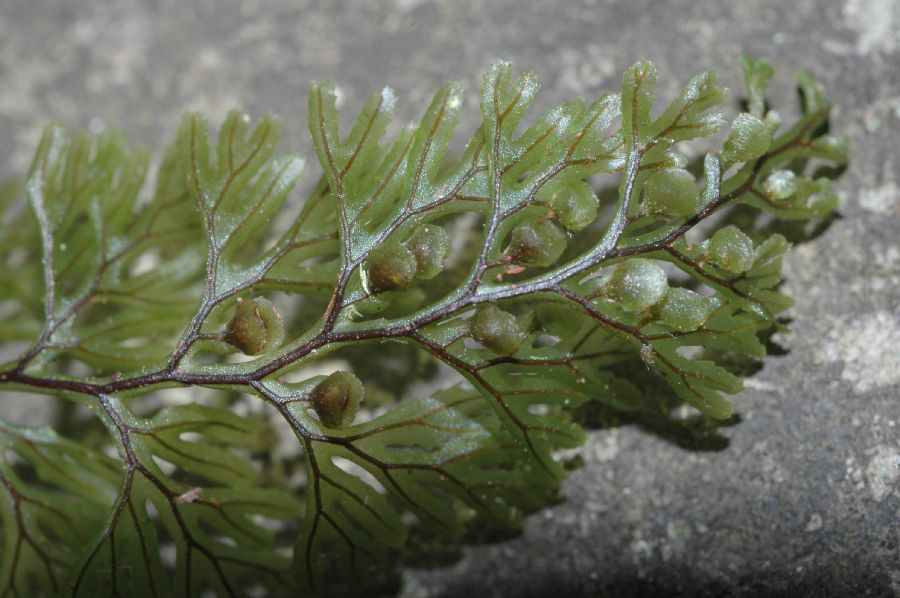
[802,497]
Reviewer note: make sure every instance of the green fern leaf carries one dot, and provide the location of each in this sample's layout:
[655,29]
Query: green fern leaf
[539,295]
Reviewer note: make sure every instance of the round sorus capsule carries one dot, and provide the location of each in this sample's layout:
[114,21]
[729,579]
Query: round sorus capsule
[497,330]
[430,245]
[390,266]
[538,243]
[749,139]
[336,399]
[731,250]
[576,207]
[638,284]
[256,327]
[684,310]
[780,184]
[672,191]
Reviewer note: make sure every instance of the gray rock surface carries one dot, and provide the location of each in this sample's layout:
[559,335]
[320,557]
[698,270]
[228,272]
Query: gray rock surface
[805,500]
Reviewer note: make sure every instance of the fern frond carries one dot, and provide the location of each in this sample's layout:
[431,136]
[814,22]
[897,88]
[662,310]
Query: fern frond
[503,264]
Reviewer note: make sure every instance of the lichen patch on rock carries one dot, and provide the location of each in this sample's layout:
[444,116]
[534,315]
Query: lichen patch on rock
[883,472]
[869,348]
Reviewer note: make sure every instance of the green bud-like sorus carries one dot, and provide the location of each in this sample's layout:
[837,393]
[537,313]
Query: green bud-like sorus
[780,184]
[673,191]
[430,244]
[731,250]
[390,266]
[537,243]
[576,206]
[497,330]
[684,310]
[749,139]
[256,327]
[638,284]
[336,399]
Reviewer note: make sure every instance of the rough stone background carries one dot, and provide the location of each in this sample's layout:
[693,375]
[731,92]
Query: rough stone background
[805,500]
